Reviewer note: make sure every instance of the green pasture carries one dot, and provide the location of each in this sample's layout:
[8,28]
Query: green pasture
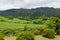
[15,25]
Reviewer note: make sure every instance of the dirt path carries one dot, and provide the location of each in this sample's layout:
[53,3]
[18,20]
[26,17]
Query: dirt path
[10,38]
[43,38]
[36,38]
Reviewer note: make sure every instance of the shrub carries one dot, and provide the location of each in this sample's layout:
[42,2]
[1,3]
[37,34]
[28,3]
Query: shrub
[25,36]
[1,38]
[9,17]
[49,33]
[37,32]
[41,29]
[8,32]
[58,32]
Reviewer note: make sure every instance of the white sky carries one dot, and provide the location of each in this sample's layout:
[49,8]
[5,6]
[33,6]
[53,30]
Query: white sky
[9,4]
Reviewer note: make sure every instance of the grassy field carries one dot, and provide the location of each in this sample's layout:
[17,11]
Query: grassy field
[15,25]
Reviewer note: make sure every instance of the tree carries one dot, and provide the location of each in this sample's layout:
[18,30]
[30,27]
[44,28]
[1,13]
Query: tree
[41,19]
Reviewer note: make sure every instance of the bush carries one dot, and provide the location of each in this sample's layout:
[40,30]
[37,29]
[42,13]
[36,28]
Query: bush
[49,33]
[8,32]
[1,38]
[37,32]
[41,29]
[25,36]
[58,32]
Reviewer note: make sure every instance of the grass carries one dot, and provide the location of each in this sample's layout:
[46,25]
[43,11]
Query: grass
[15,25]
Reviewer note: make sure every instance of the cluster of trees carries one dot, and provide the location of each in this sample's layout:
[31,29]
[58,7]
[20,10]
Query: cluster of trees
[52,29]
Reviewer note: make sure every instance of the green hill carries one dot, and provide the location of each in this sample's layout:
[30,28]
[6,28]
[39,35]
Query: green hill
[32,13]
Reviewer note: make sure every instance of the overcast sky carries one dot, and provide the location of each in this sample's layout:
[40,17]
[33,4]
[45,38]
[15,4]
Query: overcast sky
[9,4]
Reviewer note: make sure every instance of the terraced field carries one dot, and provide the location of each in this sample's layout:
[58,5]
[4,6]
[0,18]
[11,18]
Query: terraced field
[14,25]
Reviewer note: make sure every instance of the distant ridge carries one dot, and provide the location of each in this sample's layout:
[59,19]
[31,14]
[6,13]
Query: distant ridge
[32,13]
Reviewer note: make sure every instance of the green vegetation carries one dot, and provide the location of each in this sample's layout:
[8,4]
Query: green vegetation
[26,29]
[49,33]
[58,32]
[1,38]
[37,32]
[25,36]
[30,13]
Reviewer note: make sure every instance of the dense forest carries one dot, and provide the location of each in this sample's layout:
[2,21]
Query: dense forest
[31,13]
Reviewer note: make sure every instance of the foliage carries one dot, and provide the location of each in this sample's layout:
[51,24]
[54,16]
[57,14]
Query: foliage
[1,34]
[1,38]
[25,36]
[30,13]
[40,25]
[40,20]
[37,32]
[49,33]
[9,17]
[58,32]
[41,29]
[53,23]
[8,32]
